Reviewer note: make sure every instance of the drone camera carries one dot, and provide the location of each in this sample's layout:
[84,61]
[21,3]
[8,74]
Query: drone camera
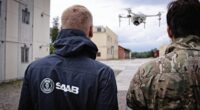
[136,23]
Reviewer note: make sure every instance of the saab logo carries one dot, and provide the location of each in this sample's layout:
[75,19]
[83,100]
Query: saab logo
[67,88]
[47,85]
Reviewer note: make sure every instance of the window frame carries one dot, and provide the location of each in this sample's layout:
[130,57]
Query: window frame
[25,16]
[24,54]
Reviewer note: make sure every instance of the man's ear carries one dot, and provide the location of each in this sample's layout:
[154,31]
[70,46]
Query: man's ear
[91,32]
[169,31]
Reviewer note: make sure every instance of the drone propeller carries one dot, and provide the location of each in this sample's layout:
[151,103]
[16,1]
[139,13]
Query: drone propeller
[129,10]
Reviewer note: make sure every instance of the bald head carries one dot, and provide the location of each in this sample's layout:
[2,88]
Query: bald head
[78,17]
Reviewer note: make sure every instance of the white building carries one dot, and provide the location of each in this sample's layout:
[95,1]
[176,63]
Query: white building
[24,35]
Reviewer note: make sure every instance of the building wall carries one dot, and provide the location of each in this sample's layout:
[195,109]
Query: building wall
[41,34]
[18,35]
[25,36]
[112,43]
[121,53]
[11,39]
[124,53]
[100,40]
[33,35]
[2,38]
[107,43]
[127,54]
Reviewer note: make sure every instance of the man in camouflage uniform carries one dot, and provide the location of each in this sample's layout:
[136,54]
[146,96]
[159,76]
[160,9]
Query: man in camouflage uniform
[172,82]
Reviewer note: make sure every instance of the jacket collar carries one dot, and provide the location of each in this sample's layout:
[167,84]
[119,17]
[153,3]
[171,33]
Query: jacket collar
[70,33]
[72,43]
[191,42]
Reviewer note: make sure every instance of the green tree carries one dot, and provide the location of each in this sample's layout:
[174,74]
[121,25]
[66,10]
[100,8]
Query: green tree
[146,54]
[54,33]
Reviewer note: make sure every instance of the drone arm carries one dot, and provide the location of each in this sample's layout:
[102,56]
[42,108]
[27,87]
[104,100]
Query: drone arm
[123,17]
[133,14]
[151,15]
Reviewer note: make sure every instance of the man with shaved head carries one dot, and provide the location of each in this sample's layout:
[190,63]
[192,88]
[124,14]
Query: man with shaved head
[78,17]
[70,79]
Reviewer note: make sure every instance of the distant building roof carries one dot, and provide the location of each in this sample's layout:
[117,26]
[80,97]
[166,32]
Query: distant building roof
[125,48]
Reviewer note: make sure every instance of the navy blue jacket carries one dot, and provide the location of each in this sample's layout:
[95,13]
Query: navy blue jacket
[70,79]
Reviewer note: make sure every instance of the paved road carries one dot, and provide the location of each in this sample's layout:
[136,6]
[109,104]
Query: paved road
[128,68]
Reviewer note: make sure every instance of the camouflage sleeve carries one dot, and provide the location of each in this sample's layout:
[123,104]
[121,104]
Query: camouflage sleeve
[135,98]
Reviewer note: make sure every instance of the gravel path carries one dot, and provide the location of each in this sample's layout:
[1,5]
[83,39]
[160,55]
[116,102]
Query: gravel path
[9,95]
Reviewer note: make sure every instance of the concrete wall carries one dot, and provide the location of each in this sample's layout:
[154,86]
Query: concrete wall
[107,43]
[25,36]
[18,35]
[100,39]
[33,35]
[2,39]
[41,29]
[12,40]
[112,43]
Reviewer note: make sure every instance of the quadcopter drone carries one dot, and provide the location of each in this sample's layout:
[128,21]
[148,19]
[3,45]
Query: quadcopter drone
[137,19]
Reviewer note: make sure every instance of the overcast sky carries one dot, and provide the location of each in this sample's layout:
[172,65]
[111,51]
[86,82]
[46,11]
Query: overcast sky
[105,13]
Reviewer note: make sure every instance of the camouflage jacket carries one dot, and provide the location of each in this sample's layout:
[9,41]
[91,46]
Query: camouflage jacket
[170,82]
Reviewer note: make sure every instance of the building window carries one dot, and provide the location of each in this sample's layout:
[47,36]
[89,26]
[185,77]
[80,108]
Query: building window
[98,54]
[24,54]
[98,29]
[25,16]
[0,7]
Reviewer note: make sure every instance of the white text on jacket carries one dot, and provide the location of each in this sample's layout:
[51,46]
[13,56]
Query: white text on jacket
[67,88]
